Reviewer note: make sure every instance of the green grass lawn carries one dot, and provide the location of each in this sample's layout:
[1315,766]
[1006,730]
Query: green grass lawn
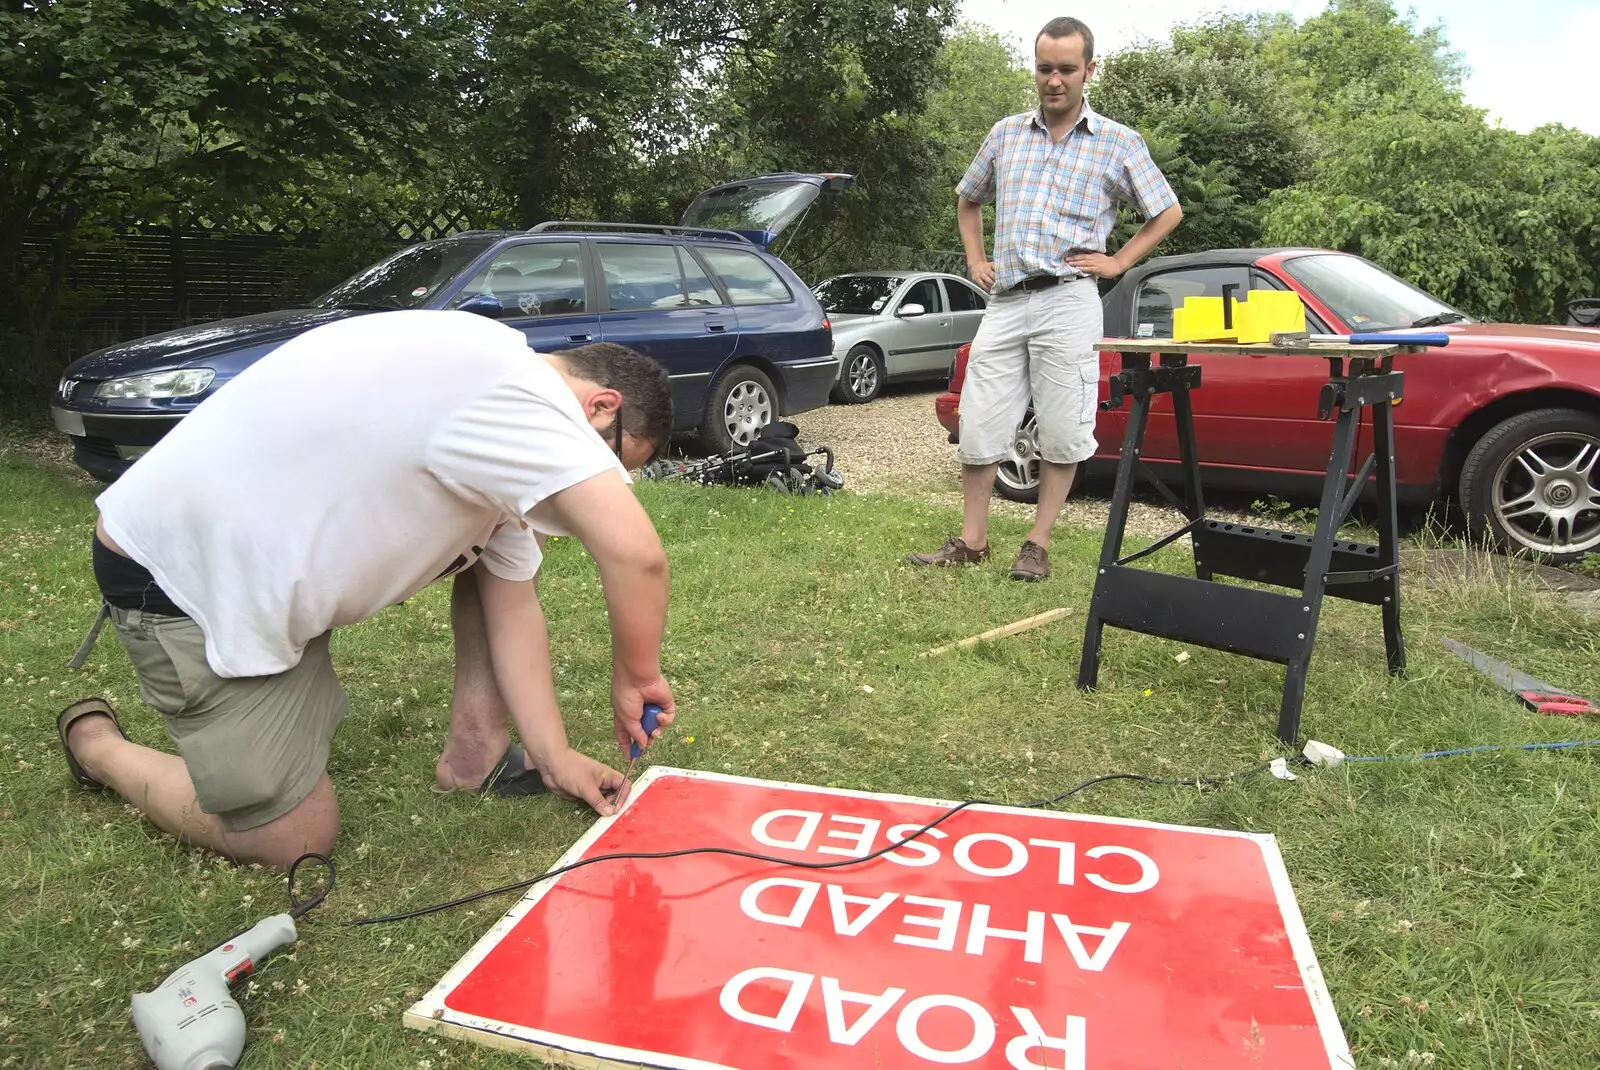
[1452,903]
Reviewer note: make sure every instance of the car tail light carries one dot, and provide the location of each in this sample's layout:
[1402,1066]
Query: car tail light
[958,368]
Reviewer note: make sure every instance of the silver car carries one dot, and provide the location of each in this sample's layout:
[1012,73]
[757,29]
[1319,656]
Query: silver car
[894,326]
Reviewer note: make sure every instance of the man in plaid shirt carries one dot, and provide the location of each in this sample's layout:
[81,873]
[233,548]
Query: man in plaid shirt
[1056,176]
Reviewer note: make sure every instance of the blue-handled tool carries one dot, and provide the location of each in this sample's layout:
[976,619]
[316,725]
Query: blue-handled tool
[651,718]
[1300,338]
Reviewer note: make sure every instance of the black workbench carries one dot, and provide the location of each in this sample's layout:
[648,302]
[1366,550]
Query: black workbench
[1269,625]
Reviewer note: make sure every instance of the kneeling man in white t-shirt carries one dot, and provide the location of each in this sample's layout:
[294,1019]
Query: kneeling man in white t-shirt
[337,476]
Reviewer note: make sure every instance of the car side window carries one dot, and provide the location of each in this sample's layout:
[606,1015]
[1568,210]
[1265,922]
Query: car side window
[641,277]
[702,291]
[1260,280]
[534,279]
[748,279]
[1160,294]
[964,298]
[926,294]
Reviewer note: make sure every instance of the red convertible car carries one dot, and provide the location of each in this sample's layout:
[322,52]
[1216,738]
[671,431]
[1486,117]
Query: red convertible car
[1504,423]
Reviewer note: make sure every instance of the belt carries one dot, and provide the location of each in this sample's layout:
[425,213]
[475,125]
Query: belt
[1040,282]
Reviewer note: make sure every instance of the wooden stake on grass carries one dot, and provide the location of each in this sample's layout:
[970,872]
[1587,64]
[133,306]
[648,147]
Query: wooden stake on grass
[1001,632]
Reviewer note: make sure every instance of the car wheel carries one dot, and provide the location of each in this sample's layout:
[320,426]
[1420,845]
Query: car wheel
[861,378]
[742,401]
[1532,485]
[1018,477]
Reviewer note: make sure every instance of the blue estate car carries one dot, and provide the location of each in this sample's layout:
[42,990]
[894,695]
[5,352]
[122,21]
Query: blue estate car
[743,339]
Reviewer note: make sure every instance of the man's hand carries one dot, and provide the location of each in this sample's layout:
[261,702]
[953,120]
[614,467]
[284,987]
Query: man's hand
[982,273]
[628,700]
[578,776]
[1107,267]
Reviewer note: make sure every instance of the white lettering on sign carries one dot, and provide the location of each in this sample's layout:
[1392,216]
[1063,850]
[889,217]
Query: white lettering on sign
[927,854]
[1067,848]
[1074,1045]
[1148,874]
[833,1000]
[797,913]
[945,924]
[796,829]
[799,984]
[838,900]
[1019,854]
[982,1029]
[1110,937]
[1032,937]
[863,838]
[809,820]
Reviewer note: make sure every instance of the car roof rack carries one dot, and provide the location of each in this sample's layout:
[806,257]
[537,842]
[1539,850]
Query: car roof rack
[556,226]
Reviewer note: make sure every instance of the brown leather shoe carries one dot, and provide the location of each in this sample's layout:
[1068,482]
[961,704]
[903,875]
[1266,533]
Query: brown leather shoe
[953,552]
[1032,563]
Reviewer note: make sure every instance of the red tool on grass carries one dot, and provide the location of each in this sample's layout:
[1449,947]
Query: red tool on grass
[1534,693]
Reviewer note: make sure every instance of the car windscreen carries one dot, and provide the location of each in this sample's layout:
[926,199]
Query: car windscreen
[865,295]
[409,278]
[1367,297]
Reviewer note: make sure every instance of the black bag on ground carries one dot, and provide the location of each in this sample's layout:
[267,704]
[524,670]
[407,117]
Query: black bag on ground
[774,458]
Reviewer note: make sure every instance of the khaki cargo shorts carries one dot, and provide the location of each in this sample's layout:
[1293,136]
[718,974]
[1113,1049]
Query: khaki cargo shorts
[255,746]
[1034,347]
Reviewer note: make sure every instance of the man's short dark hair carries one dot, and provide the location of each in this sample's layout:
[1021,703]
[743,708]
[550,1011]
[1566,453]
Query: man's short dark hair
[1066,26]
[643,383]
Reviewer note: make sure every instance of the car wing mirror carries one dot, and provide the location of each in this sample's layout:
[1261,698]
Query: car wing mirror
[483,305]
[911,310]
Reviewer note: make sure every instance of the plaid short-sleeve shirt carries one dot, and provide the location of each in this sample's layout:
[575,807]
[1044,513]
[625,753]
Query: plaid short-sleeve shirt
[1056,198]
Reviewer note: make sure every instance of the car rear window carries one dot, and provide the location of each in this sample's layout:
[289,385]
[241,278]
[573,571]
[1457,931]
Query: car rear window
[748,279]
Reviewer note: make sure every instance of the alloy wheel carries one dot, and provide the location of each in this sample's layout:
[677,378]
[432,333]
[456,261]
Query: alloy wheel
[1547,493]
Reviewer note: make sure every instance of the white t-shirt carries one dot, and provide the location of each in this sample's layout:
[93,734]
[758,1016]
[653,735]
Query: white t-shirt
[345,471]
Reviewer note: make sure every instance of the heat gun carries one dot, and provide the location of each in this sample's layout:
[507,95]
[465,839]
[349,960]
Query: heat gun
[190,1022]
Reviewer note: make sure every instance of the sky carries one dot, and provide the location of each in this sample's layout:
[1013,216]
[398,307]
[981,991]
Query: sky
[1529,62]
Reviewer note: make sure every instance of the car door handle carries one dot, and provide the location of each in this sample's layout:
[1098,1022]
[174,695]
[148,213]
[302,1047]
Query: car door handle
[716,328]
[579,337]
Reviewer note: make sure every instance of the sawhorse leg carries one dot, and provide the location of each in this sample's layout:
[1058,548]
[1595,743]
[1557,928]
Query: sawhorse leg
[1329,516]
[1116,526]
[1394,643]
[1189,456]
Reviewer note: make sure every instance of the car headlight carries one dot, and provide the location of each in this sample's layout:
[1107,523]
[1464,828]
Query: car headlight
[181,383]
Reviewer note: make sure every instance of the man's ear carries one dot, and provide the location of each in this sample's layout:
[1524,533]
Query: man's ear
[603,403]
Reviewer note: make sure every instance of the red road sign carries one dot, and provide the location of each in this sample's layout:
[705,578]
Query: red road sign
[1006,937]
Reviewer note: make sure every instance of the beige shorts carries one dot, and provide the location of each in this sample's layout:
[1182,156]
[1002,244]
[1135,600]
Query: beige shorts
[255,746]
[1034,348]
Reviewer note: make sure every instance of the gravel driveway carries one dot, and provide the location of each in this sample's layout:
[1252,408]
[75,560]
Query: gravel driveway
[894,445]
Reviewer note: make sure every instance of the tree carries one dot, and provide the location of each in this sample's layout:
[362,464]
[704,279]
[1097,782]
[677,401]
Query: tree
[1499,223]
[149,106]
[979,79]
[1217,123]
[816,85]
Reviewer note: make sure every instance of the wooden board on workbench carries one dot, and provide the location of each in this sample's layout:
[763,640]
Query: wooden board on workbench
[1312,349]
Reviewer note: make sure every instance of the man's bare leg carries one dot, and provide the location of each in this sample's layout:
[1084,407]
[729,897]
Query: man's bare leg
[479,717]
[159,785]
[977,483]
[1055,482]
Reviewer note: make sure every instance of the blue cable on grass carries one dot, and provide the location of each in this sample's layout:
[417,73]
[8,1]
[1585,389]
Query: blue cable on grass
[1473,750]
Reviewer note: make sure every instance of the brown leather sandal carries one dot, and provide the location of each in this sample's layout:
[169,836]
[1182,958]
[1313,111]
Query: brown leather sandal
[84,707]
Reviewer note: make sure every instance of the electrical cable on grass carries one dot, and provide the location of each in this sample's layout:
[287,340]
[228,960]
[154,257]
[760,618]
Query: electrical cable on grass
[299,907]
[753,856]
[1473,750]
